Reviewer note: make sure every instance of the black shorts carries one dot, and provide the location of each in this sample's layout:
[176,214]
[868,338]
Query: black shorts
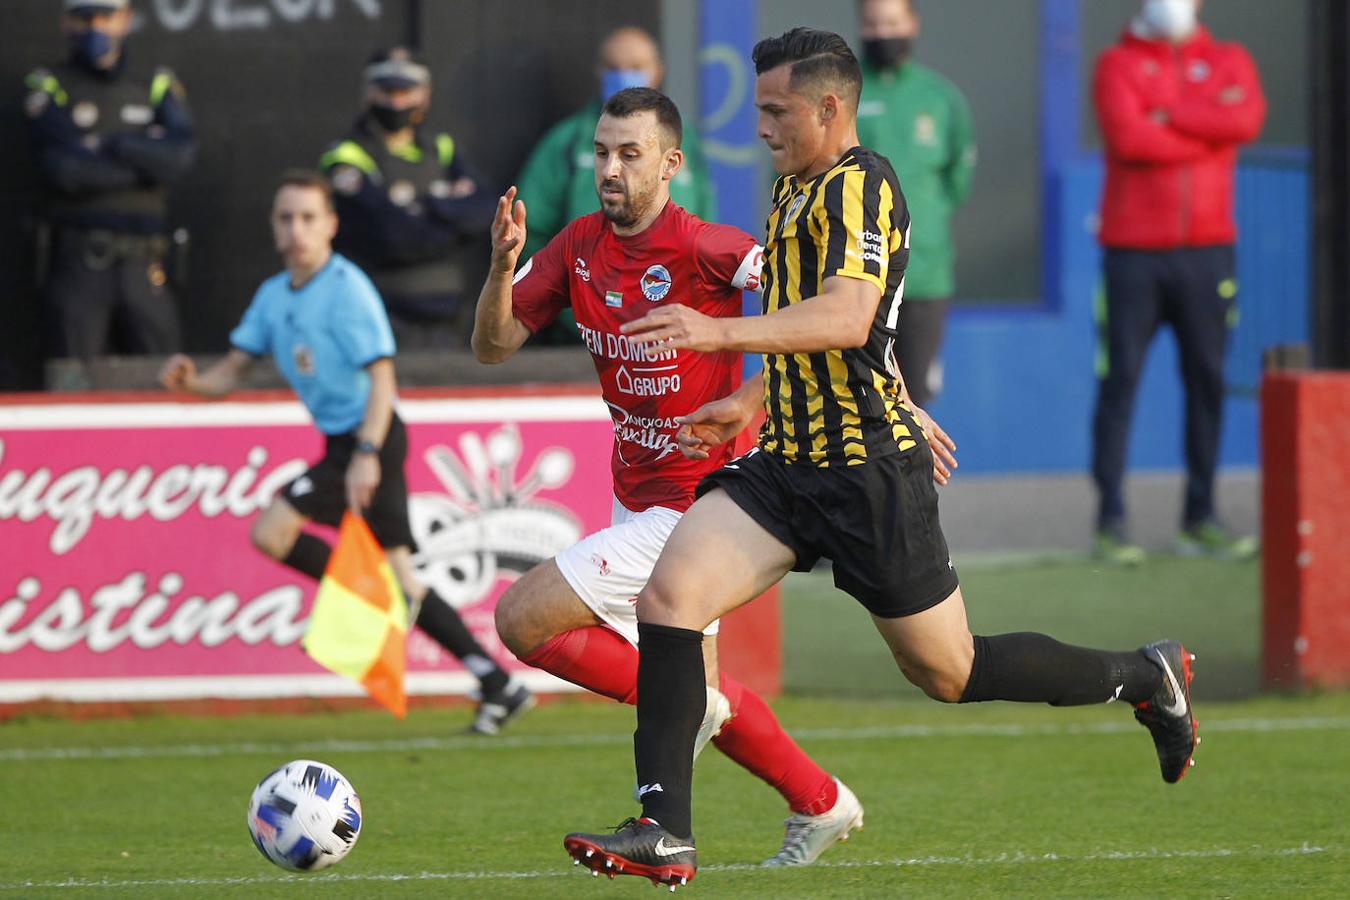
[321,493]
[877,522]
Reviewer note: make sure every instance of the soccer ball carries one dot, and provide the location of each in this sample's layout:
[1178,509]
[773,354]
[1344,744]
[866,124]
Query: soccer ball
[304,815]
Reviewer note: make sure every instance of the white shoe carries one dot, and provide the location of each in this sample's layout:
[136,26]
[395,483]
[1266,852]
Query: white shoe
[806,837]
[715,714]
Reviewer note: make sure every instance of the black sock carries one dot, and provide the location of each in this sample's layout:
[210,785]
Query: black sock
[671,702]
[1034,668]
[309,556]
[439,619]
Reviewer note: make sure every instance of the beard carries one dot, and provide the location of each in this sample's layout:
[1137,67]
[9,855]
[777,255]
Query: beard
[629,210]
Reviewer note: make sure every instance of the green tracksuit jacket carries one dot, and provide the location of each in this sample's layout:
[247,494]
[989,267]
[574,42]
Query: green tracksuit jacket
[921,122]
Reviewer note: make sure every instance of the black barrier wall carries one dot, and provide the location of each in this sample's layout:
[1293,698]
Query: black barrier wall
[271,82]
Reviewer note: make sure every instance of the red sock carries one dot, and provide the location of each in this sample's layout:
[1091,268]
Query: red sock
[595,658]
[754,739]
[601,661]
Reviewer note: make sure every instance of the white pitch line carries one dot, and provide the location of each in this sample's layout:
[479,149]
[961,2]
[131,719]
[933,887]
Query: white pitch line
[895,732]
[1009,858]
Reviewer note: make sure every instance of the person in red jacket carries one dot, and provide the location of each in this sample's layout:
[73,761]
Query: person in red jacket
[1173,105]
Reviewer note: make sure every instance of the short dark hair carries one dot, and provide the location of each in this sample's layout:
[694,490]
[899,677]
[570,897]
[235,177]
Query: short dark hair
[309,179]
[821,62]
[634,100]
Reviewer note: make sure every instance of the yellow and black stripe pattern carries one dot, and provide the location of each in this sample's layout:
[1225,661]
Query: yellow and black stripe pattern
[840,407]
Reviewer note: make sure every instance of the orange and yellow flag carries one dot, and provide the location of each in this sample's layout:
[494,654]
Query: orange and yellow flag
[359,623]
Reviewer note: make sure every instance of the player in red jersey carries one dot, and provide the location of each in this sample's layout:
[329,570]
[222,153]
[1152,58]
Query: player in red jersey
[574,616]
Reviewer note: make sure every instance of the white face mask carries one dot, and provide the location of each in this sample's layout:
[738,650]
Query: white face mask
[1170,19]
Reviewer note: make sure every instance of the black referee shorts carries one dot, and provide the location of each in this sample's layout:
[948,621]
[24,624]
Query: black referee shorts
[877,522]
[321,493]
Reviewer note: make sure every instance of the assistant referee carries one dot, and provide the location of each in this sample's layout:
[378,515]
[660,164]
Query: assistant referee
[322,322]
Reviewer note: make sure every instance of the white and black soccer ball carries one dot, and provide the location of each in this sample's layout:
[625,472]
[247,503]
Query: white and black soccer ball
[304,816]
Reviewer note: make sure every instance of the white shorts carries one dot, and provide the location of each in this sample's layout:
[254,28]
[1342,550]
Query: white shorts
[607,569]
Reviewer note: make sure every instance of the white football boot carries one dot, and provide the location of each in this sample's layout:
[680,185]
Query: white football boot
[806,837]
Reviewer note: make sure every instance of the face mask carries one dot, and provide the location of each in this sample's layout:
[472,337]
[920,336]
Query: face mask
[614,80]
[391,119]
[89,46]
[886,53]
[1170,19]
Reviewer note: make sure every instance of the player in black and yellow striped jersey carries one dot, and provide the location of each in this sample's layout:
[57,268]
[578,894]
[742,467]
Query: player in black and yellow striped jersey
[842,472]
[840,406]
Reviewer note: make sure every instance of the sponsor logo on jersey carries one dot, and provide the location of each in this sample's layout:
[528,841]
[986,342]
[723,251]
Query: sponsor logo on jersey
[652,381]
[614,299]
[655,283]
[583,272]
[872,248]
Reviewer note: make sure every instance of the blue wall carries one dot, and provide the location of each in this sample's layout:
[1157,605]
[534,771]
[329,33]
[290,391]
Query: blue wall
[1019,382]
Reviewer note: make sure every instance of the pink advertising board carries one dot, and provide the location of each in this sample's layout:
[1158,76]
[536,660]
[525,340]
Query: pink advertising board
[126,571]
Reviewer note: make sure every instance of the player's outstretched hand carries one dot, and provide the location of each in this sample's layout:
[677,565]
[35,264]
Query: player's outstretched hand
[508,231]
[178,372]
[363,476]
[710,425]
[943,447]
[676,327]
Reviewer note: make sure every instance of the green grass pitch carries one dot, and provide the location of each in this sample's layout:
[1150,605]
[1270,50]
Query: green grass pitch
[987,801]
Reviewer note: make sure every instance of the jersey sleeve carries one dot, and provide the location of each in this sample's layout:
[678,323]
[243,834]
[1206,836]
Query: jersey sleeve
[252,334]
[360,324]
[539,290]
[726,256]
[854,226]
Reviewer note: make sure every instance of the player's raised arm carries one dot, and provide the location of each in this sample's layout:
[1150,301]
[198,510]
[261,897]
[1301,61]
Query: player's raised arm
[497,334]
[179,373]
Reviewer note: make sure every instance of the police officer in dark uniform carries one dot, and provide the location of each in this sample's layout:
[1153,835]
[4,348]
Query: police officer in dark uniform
[108,138]
[406,201]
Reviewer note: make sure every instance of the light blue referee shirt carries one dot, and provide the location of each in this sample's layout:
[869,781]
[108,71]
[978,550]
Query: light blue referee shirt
[321,337]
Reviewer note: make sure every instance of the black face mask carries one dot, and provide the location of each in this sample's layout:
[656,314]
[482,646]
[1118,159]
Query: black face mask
[391,119]
[886,53]
[90,46]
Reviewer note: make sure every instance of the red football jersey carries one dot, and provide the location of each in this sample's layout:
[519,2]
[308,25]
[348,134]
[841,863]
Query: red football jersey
[608,280]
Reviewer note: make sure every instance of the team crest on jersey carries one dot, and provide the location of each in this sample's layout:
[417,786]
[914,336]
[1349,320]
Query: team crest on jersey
[303,358]
[655,283]
[794,207]
[614,299]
